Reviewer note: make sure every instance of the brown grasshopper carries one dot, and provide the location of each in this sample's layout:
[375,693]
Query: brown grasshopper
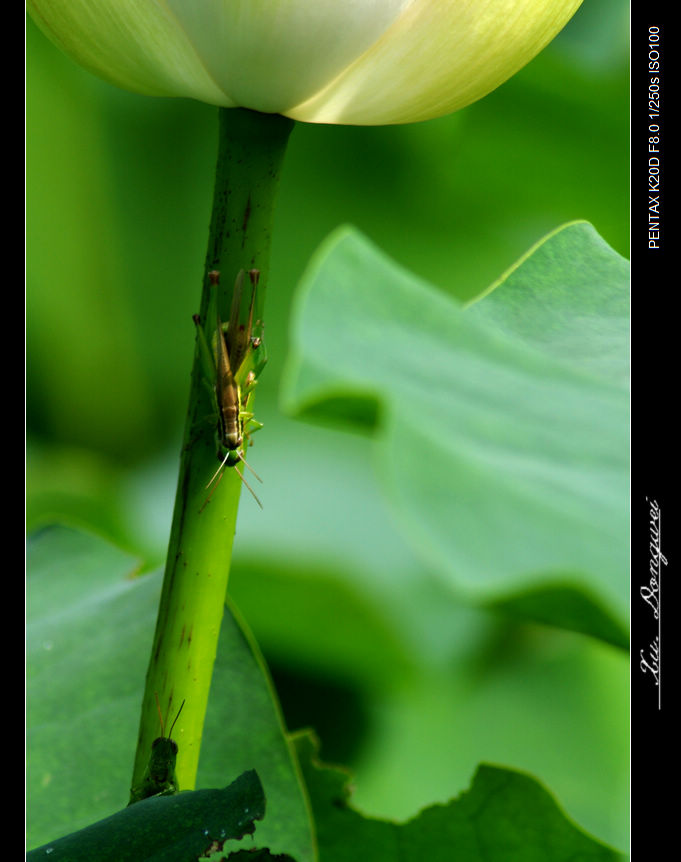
[232,369]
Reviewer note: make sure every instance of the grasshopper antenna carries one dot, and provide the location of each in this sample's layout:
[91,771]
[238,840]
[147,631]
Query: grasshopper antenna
[215,474]
[175,720]
[246,464]
[241,476]
[160,716]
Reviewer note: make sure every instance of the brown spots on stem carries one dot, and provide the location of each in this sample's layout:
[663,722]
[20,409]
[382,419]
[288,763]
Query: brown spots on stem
[247,217]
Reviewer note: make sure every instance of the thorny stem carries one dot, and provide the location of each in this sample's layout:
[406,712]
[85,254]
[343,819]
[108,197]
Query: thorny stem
[250,155]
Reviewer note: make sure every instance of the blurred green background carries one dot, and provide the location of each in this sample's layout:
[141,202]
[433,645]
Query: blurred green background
[408,685]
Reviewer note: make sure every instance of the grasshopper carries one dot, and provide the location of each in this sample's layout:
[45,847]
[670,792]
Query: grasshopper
[232,370]
[159,776]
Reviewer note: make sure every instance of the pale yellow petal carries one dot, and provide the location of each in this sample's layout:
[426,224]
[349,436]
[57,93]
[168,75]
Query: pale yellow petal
[327,61]
[136,44]
[439,56]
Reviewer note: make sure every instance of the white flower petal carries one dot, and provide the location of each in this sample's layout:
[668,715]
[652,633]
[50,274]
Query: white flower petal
[270,55]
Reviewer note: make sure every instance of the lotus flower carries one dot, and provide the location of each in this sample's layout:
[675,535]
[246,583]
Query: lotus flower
[359,62]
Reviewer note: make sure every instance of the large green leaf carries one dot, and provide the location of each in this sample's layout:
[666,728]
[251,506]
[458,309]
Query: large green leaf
[340,603]
[501,430]
[90,628]
[506,816]
[178,828]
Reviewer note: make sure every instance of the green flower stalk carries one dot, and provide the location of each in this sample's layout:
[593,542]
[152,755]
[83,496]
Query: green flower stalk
[251,149]
[266,63]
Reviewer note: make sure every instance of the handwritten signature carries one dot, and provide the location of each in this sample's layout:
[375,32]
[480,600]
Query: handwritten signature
[650,592]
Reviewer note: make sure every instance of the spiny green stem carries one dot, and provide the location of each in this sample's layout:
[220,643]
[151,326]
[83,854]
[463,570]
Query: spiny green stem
[250,155]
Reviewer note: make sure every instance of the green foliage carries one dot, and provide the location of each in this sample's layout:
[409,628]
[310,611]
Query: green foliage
[90,627]
[421,649]
[455,199]
[504,817]
[441,662]
[501,429]
[177,828]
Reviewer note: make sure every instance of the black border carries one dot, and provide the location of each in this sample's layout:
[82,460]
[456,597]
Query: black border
[656,344]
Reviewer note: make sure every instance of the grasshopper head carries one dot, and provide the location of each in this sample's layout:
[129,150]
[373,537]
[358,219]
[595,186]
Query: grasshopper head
[164,742]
